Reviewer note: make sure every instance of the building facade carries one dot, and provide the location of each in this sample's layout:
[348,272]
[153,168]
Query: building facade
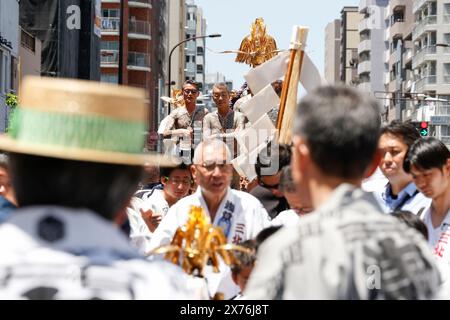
[9,55]
[399,78]
[332,51]
[133,52]
[177,33]
[372,64]
[431,65]
[350,18]
[195,49]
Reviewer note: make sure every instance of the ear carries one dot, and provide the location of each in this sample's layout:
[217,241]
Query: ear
[164,180]
[300,158]
[373,164]
[194,172]
[447,166]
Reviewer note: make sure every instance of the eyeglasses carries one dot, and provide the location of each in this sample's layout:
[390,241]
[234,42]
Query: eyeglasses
[267,186]
[179,181]
[188,91]
[210,167]
[220,95]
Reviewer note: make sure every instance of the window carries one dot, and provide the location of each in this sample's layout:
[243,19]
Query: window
[110,45]
[200,50]
[199,68]
[27,40]
[110,78]
[110,13]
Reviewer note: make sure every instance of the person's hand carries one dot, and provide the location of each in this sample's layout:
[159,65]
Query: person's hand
[151,219]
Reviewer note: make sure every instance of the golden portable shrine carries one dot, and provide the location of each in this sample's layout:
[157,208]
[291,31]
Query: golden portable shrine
[199,243]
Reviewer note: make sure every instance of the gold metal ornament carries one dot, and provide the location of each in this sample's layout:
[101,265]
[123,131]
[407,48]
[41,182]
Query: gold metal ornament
[258,47]
[176,99]
[198,242]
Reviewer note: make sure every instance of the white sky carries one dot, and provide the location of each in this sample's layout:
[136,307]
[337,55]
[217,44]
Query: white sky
[233,19]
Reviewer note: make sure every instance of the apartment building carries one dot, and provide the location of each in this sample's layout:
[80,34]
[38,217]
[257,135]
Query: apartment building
[195,49]
[431,65]
[9,54]
[332,51]
[350,18]
[372,46]
[133,52]
[399,78]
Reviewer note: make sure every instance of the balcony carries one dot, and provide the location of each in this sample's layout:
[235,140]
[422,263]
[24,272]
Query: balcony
[109,58]
[364,5]
[139,30]
[140,4]
[422,84]
[425,54]
[365,45]
[138,61]
[398,3]
[110,26]
[398,28]
[365,87]
[364,67]
[417,4]
[421,25]
[407,55]
[191,25]
[364,24]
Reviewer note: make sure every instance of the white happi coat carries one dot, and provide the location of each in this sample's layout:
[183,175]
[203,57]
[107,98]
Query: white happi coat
[61,253]
[248,217]
[140,234]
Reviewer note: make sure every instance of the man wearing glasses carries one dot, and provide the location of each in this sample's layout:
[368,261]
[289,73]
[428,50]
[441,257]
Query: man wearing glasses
[149,207]
[269,163]
[184,124]
[240,215]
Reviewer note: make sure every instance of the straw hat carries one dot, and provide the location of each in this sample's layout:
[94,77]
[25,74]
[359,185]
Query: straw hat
[80,120]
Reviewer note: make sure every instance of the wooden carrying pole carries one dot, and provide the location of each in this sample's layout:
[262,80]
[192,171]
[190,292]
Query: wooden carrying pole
[288,100]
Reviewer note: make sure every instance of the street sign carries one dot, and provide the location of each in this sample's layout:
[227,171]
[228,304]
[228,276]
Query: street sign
[440,120]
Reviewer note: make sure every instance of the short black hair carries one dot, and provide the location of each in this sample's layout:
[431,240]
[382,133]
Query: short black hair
[244,259]
[426,153]
[403,130]
[264,234]
[191,82]
[341,127]
[166,171]
[412,221]
[273,157]
[100,187]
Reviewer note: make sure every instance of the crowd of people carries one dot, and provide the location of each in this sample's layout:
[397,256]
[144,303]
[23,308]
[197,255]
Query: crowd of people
[83,211]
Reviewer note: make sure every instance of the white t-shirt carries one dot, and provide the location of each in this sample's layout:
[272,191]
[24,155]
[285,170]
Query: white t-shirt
[140,234]
[286,218]
[435,234]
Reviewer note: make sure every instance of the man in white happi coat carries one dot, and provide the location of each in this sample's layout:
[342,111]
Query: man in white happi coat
[148,207]
[240,215]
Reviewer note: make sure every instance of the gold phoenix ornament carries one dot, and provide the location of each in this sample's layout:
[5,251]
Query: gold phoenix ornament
[197,242]
[176,100]
[258,47]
